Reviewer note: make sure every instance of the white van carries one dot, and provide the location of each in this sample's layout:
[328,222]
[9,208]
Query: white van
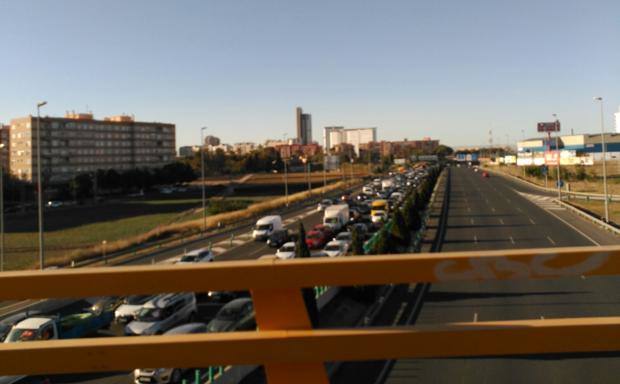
[266,226]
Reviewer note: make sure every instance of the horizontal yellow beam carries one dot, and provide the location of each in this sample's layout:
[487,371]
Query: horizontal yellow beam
[277,274]
[285,347]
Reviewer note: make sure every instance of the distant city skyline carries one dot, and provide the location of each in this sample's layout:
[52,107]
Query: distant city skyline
[450,70]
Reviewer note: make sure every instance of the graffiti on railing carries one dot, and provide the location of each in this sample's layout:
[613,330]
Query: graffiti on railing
[492,268]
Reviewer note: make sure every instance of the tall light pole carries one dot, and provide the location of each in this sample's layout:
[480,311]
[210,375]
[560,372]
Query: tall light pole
[600,99]
[202,170]
[39,187]
[286,157]
[2,145]
[557,151]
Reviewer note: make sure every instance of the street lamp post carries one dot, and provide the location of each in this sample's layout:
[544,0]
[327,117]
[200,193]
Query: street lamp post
[2,145]
[103,245]
[557,152]
[604,150]
[351,171]
[202,171]
[39,187]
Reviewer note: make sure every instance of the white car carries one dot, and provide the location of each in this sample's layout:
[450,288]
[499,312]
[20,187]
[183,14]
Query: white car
[287,251]
[202,255]
[346,237]
[324,204]
[130,307]
[378,217]
[336,248]
[162,313]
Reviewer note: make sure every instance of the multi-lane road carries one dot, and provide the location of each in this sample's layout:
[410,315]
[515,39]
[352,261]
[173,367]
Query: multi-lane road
[499,213]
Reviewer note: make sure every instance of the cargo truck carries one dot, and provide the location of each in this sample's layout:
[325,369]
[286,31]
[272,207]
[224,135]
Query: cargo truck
[336,216]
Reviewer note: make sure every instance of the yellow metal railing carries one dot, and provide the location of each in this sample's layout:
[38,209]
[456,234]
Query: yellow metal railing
[285,344]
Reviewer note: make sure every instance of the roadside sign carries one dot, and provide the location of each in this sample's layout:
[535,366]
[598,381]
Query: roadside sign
[553,126]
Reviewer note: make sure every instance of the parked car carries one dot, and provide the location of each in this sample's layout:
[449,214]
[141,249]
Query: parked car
[238,315]
[287,251]
[202,255]
[324,228]
[168,375]
[278,238]
[336,248]
[129,307]
[163,313]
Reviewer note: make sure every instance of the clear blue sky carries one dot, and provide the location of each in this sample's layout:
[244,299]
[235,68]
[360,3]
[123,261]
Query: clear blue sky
[446,69]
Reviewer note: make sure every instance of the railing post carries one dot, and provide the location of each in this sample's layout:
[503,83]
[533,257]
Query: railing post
[284,309]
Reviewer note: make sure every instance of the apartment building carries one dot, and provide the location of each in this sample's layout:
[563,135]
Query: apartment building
[334,136]
[77,143]
[4,151]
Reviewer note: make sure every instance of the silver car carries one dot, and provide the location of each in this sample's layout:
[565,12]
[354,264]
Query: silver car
[168,375]
[163,313]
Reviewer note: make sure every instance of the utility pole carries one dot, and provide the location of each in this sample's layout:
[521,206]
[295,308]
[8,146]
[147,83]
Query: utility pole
[202,170]
[557,156]
[604,150]
[40,187]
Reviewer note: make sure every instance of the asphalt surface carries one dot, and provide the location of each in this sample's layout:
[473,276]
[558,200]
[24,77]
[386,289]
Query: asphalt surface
[498,213]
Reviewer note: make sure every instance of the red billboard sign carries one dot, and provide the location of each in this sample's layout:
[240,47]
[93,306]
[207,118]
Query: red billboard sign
[553,126]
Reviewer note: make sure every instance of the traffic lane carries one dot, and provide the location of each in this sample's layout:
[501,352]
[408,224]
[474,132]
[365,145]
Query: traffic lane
[255,249]
[578,223]
[523,299]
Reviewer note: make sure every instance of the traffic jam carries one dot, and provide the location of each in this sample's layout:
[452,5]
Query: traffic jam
[364,213]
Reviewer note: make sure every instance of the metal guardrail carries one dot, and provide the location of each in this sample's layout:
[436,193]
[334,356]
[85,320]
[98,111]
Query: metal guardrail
[285,343]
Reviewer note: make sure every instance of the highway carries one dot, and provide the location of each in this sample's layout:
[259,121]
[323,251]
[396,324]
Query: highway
[499,213]
[239,247]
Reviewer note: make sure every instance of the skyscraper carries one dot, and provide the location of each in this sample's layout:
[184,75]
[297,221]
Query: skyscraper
[304,127]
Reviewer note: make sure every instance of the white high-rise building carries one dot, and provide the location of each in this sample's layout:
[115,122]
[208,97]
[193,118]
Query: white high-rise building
[617,120]
[333,136]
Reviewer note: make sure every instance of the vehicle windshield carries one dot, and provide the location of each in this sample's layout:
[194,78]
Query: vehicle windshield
[288,248]
[136,299]
[326,202]
[332,220]
[228,313]
[344,236]
[189,258]
[20,335]
[150,314]
[263,227]
[333,247]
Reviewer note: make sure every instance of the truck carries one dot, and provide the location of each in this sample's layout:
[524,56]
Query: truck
[336,216]
[55,327]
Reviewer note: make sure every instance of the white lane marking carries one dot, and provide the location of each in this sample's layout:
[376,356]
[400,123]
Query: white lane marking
[475,317]
[475,239]
[238,242]
[575,228]
[545,202]
[550,240]
[218,250]
[542,317]
[468,209]
[471,221]
[512,240]
[400,312]
[492,209]
[532,221]
[501,221]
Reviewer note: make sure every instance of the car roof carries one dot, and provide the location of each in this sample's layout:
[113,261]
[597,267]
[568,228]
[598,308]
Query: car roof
[197,252]
[268,219]
[288,244]
[334,242]
[187,328]
[32,323]
[163,300]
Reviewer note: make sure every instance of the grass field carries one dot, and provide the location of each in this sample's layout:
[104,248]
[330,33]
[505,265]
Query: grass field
[594,186]
[597,207]
[71,228]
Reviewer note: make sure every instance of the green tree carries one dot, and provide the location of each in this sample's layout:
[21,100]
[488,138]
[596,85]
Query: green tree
[443,151]
[357,242]
[400,233]
[302,251]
